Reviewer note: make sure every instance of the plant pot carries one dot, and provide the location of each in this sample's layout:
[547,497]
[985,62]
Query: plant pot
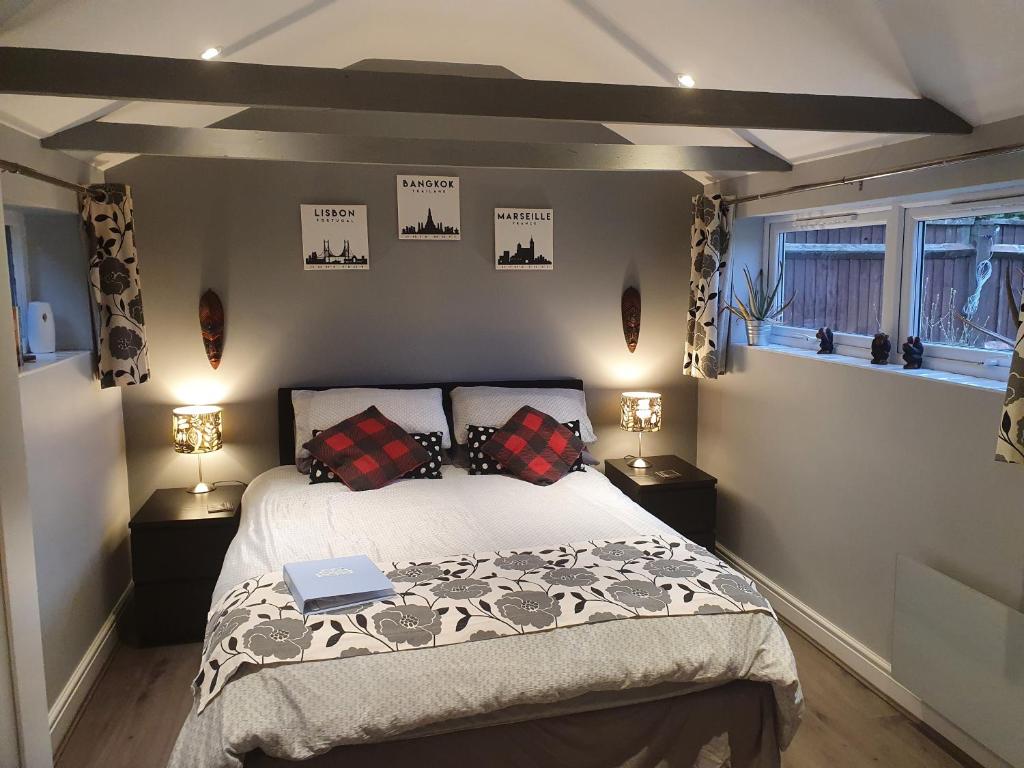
[759,333]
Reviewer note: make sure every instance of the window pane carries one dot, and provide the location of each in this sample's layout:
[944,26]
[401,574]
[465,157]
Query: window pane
[967,264]
[834,277]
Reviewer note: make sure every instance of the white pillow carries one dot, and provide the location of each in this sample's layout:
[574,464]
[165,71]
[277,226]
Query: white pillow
[414,410]
[493,406]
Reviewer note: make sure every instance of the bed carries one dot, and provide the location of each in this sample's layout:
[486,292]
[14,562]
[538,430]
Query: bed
[698,690]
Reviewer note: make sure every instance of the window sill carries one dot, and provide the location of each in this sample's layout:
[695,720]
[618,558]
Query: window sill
[42,362]
[928,374]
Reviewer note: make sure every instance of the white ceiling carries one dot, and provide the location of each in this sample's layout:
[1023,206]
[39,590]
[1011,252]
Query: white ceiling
[968,55]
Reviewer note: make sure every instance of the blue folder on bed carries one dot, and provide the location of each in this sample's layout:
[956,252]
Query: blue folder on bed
[322,586]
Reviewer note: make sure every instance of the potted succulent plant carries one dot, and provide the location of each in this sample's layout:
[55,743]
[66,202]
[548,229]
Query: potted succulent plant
[759,310]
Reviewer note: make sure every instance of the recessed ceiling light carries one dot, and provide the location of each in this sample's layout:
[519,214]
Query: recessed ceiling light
[210,53]
[686,80]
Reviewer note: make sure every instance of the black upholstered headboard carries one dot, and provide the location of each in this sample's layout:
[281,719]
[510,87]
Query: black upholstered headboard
[286,415]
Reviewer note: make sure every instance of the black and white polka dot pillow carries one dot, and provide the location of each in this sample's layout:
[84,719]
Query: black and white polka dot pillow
[321,473]
[432,469]
[479,462]
[482,464]
[574,427]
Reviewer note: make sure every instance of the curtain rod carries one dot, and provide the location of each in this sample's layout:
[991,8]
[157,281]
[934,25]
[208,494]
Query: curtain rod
[32,173]
[1006,149]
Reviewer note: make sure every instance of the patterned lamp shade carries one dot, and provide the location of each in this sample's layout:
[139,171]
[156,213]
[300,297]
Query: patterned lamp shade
[197,429]
[641,412]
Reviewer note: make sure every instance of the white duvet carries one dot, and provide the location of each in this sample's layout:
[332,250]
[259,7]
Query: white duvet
[285,519]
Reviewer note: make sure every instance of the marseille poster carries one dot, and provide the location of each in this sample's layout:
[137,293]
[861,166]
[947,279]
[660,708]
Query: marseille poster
[334,237]
[428,208]
[524,238]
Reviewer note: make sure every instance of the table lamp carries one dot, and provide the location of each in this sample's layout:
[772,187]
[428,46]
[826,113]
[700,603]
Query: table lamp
[641,412]
[197,429]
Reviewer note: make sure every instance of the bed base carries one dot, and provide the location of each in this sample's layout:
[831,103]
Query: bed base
[731,725]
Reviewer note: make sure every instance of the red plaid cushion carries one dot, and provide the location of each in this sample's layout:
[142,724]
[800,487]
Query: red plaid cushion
[534,447]
[368,450]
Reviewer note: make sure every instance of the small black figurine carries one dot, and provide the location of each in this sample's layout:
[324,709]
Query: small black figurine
[913,352]
[827,346]
[880,349]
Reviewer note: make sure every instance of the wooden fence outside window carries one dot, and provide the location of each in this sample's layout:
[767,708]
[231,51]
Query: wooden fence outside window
[836,277]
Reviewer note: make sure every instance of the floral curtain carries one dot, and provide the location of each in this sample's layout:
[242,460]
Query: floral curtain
[709,243]
[116,289]
[1010,441]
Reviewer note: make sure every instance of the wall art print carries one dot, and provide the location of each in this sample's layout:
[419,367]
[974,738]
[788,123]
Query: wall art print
[334,237]
[524,238]
[428,208]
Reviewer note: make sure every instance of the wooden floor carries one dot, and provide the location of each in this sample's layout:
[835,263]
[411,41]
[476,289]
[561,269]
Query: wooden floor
[133,717]
[846,725]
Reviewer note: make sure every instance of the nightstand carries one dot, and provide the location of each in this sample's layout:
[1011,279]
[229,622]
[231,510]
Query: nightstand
[686,502]
[178,545]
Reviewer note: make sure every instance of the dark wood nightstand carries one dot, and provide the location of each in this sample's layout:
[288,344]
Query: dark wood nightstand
[687,502]
[178,545]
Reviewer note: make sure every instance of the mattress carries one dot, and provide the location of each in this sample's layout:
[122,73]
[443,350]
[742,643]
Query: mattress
[285,519]
[302,710]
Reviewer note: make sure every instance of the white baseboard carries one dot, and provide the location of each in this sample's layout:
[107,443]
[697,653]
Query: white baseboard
[74,694]
[860,660]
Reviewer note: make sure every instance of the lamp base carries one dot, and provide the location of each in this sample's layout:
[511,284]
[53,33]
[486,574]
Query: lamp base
[639,462]
[200,488]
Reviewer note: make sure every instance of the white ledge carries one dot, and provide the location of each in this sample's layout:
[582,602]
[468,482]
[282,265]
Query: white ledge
[928,374]
[42,362]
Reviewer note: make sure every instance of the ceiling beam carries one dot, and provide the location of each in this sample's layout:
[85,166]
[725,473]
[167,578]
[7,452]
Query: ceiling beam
[334,148]
[46,72]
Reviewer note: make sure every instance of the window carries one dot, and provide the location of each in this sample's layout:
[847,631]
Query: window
[17,262]
[833,273]
[952,274]
[45,257]
[834,277]
[959,261]
[968,262]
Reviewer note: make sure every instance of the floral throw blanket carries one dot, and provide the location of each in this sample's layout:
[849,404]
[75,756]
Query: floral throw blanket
[474,597]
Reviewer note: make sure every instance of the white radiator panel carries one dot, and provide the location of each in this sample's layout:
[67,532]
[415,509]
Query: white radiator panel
[962,653]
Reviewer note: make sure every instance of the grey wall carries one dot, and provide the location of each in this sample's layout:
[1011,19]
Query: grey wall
[14,513]
[827,471]
[425,311]
[21,650]
[58,265]
[991,173]
[78,489]
[8,727]
[29,193]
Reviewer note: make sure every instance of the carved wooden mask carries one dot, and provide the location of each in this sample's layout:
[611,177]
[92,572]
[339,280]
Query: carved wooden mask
[631,317]
[211,322]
